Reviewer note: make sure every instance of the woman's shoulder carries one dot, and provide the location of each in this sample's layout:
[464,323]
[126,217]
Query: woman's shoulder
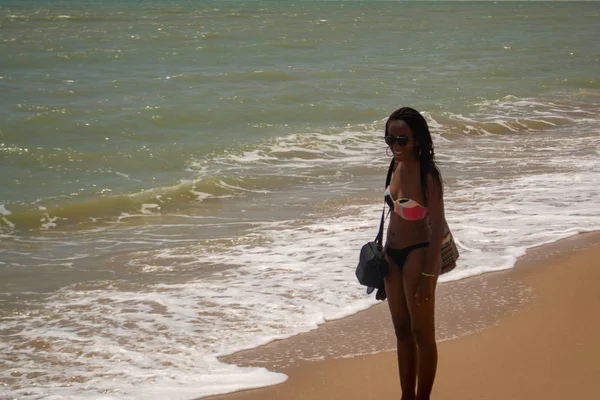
[434,180]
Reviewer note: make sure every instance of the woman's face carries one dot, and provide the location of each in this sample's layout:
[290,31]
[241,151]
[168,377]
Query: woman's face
[402,134]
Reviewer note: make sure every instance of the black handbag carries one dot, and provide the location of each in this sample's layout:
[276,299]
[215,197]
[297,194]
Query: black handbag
[372,266]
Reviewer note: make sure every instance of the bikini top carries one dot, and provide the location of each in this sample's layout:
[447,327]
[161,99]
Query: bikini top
[406,208]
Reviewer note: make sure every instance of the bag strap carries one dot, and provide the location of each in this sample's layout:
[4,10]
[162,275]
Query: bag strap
[388,179]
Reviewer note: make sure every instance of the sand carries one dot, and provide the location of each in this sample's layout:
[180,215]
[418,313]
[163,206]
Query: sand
[537,338]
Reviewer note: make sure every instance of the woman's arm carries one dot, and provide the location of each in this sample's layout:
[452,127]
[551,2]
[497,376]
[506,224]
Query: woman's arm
[438,224]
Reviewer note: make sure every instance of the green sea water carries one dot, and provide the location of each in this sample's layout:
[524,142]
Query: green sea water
[102,100]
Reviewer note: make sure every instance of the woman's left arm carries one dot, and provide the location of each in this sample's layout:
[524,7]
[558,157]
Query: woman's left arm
[438,224]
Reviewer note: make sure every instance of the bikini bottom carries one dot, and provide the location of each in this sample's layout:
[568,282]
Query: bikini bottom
[399,255]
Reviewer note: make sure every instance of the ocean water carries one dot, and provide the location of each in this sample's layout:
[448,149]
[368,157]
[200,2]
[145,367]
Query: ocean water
[181,180]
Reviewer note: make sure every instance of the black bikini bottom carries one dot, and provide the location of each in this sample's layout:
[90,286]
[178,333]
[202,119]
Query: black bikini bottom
[399,255]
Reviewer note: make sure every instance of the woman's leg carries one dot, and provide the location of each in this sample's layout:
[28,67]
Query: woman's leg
[423,323]
[405,342]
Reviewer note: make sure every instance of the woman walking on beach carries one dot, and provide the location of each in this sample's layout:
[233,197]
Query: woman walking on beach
[414,238]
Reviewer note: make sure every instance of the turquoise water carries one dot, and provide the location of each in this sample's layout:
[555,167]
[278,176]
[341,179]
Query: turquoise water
[111,100]
[175,175]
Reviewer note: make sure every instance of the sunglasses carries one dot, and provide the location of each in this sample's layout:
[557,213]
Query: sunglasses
[401,140]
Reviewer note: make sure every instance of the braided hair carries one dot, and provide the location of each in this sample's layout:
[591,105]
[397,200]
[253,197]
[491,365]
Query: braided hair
[424,151]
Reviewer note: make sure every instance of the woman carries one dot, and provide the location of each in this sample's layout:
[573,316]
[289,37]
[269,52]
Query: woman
[412,248]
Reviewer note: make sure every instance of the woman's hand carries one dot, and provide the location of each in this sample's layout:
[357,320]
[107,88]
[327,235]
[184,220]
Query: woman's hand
[425,290]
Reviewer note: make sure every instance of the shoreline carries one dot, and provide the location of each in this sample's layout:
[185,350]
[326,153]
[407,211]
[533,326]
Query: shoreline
[340,347]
